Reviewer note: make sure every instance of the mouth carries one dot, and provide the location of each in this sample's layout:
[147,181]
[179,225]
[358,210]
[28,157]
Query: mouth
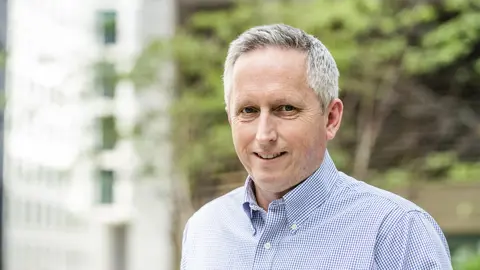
[269,156]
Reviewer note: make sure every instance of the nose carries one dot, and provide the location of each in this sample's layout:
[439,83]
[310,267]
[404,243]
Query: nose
[266,131]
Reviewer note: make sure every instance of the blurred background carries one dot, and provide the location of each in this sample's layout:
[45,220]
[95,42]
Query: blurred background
[114,130]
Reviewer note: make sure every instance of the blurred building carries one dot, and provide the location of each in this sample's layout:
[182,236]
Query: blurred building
[3,37]
[74,197]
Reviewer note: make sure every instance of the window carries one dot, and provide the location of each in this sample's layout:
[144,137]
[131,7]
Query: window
[48,216]
[106,184]
[37,207]
[119,245]
[106,79]
[27,213]
[59,217]
[108,26]
[108,132]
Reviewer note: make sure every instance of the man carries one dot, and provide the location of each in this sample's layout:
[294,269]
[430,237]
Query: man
[296,210]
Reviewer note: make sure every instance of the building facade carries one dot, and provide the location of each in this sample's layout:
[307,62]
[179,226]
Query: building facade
[3,39]
[74,198]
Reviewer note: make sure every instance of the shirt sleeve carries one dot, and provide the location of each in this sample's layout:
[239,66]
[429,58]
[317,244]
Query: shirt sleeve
[412,240]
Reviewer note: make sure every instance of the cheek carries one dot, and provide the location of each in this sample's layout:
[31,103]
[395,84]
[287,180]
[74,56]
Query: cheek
[306,141]
[310,148]
[242,135]
[298,141]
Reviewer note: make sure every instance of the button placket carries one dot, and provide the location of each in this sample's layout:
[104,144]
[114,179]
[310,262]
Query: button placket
[266,250]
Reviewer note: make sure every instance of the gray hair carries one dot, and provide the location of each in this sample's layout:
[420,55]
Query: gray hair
[322,71]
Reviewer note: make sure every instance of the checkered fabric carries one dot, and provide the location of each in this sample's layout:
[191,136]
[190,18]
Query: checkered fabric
[330,221]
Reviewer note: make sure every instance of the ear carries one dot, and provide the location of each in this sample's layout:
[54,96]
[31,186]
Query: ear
[334,118]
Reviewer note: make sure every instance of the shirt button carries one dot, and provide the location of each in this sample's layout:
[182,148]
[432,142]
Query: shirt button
[293,227]
[267,245]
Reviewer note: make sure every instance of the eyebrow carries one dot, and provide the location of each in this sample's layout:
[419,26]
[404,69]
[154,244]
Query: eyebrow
[275,101]
[283,100]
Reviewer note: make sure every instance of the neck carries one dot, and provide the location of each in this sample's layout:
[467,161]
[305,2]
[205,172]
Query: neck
[264,198]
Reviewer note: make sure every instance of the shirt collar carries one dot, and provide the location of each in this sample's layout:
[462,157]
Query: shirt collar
[304,198]
[250,202]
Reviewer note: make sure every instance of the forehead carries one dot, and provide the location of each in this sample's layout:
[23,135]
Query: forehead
[271,61]
[273,73]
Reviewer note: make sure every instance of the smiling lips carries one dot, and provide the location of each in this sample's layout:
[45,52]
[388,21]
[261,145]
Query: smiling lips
[269,156]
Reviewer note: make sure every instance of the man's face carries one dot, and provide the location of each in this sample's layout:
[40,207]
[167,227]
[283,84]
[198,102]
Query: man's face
[278,127]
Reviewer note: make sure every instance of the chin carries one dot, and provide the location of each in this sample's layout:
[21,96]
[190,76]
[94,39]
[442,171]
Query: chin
[272,183]
[265,177]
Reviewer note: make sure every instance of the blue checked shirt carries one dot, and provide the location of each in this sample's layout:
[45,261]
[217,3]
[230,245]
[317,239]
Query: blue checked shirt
[330,221]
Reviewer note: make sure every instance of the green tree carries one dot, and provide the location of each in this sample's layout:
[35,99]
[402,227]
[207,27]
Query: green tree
[472,262]
[409,74]
[384,50]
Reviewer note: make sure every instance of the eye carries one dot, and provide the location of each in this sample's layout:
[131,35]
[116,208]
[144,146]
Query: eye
[248,110]
[287,108]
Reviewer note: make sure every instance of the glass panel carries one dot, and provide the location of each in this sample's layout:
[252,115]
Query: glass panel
[108,26]
[106,186]
[108,133]
[106,79]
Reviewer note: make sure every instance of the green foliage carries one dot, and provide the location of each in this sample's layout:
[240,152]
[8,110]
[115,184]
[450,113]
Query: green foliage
[464,172]
[376,44]
[392,178]
[441,166]
[145,71]
[470,263]
[447,42]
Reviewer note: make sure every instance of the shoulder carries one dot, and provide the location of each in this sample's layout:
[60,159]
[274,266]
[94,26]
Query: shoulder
[407,234]
[207,226]
[377,198]
[384,208]
[411,239]
[210,221]
[221,207]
